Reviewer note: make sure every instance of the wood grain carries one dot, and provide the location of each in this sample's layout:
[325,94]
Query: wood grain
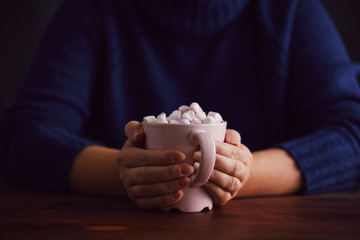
[26,214]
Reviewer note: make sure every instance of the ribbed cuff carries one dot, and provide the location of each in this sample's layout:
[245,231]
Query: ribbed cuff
[327,159]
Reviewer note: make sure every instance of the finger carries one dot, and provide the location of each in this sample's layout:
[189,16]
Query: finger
[160,201]
[138,157]
[156,174]
[232,167]
[241,153]
[158,189]
[134,131]
[219,195]
[232,137]
[226,182]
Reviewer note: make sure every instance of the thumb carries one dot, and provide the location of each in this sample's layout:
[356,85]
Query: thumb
[134,131]
[233,137]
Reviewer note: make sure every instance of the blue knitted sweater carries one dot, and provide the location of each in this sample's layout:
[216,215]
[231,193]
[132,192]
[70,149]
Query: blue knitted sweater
[276,70]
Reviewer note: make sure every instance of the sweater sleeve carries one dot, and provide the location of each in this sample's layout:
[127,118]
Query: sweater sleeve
[43,131]
[325,104]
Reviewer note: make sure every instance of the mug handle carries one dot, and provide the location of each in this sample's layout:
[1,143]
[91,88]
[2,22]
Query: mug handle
[208,155]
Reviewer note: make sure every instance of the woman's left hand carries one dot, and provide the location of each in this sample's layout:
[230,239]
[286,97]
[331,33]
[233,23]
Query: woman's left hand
[232,168]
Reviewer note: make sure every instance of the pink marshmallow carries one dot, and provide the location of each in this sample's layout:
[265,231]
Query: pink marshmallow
[196,121]
[187,115]
[183,108]
[195,107]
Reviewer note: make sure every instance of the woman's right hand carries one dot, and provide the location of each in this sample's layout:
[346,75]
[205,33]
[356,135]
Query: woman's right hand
[152,178]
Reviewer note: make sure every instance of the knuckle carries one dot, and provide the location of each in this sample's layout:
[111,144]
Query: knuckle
[122,178]
[174,171]
[141,159]
[144,175]
[247,159]
[119,158]
[131,193]
[237,169]
[217,146]
[235,153]
[234,185]
[213,175]
[224,198]
[177,185]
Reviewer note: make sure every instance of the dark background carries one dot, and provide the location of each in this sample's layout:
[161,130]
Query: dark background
[22,23]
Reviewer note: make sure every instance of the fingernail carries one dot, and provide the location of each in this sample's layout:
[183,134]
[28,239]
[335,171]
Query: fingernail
[176,195]
[178,157]
[184,182]
[197,156]
[186,170]
[135,133]
[234,144]
[196,165]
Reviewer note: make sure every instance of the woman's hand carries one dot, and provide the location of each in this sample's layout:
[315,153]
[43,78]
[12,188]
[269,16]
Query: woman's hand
[232,168]
[151,178]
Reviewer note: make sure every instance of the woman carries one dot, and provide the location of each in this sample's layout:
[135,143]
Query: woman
[277,71]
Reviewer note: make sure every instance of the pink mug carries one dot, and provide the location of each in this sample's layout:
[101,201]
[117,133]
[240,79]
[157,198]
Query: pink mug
[161,136]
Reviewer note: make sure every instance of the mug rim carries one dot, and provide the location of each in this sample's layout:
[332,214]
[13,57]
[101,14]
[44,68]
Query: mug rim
[182,124]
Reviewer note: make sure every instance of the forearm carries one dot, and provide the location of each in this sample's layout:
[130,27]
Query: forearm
[95,171]
[273,172]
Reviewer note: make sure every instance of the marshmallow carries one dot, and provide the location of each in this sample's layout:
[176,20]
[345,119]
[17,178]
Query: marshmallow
[195,107]
[150,119]
[174,122]
[192,114]
[201,115]
[196,121]
[184,121]
[183,108]
[161,118]
[209,120]
[177,112]
[174,116]
[189,115]
[215,115]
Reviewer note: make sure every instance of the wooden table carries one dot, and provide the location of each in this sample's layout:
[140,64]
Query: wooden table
[26,214]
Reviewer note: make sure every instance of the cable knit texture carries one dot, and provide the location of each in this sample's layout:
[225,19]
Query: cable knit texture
[276,70]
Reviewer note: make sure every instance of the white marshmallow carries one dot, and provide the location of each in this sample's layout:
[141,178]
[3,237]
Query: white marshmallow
[215,115]
[150,119]
[173,121]
[209,120]
[184,121]
[187,115]
[161,118]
